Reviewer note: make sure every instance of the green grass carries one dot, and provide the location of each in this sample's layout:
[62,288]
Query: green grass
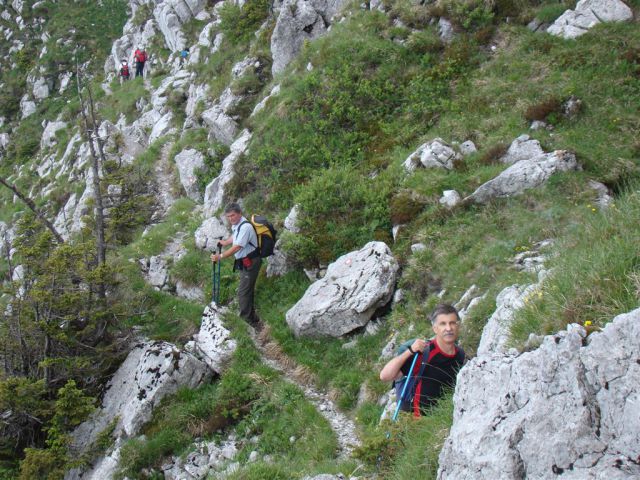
[338,369]
[596,275]
[123,100]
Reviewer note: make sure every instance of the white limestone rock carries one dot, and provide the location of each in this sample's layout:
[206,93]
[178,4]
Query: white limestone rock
[48,138]
[4,140]
[433,154]
[354,287]
[566,410]
[190,292]
[162,128]
[587,14]
[151,371]
[280,263]
[213,343]
[263,103]
[445,30]
[467,148]
[524,175]
[27,107]
[214,196]
[208,234]
[495,333]
[188,162]
[450,199]
[604,198]
[522,148]
[221,126]
[299,20]
[40,89]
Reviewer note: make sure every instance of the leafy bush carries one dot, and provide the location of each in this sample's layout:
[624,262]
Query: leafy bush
[339,211]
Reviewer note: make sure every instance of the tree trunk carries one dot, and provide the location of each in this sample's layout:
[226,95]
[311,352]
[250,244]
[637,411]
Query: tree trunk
[33,208]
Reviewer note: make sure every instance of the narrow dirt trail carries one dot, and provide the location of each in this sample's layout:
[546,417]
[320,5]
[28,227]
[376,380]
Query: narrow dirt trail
[342,426]
[164,178]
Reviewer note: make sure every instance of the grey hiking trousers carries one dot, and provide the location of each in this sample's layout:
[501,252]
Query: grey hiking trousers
[246,290]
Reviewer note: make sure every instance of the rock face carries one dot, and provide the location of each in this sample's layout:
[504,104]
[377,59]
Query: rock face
[280,263]
[525,174]
[188,162]
[496,331]
[355,286]
[209,233]
[588,13]
[569,408]
[299,20]
[433,154]
[151,371]
[214,196]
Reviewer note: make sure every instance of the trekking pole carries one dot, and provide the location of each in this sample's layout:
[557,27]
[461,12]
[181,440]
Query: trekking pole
[216,276]
[404,389]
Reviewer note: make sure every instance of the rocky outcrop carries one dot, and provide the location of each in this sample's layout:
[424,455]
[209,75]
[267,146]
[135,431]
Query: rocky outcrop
[280,263]
[48,138]
[450,199]
[214,196]
[495,333]
[433,154]
[151,371]
[213,343]
[568,408]
[206,458]
[299,20]
[588,13]
[522,148]
[354,287]
[525,174]
[189,161]
[210,233]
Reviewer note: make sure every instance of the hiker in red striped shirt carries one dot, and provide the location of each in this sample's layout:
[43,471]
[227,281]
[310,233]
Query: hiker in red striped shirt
[432,375]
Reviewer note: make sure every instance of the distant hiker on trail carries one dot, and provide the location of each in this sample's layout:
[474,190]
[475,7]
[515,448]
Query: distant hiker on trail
[244,248]
[444,360]
[124,71]
[140,57]
[184,53]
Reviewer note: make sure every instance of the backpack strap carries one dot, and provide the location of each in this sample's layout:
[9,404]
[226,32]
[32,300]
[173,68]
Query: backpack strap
[418,383]
[238,230]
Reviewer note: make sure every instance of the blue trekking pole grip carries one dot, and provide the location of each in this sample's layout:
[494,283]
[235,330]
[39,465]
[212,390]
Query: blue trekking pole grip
[404,388]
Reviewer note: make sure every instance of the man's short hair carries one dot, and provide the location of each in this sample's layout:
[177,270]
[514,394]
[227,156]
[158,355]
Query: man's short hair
[232,207]
[443,309]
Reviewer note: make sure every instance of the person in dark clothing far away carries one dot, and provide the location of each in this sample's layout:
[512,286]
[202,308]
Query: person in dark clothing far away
[244,248]
[140,57]
[445,358]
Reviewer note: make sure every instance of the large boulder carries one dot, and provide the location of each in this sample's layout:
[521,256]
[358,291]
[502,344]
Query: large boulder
[588,13]
[151,371]
[188,162]
[214,195]
[299,20]
[354,287]
[523,175]
[568,408]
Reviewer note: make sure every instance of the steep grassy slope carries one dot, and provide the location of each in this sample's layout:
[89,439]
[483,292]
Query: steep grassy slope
[333,142]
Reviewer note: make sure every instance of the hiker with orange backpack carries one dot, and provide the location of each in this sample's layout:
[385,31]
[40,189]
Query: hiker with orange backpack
[250,242]
[429,366]
[139,57]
